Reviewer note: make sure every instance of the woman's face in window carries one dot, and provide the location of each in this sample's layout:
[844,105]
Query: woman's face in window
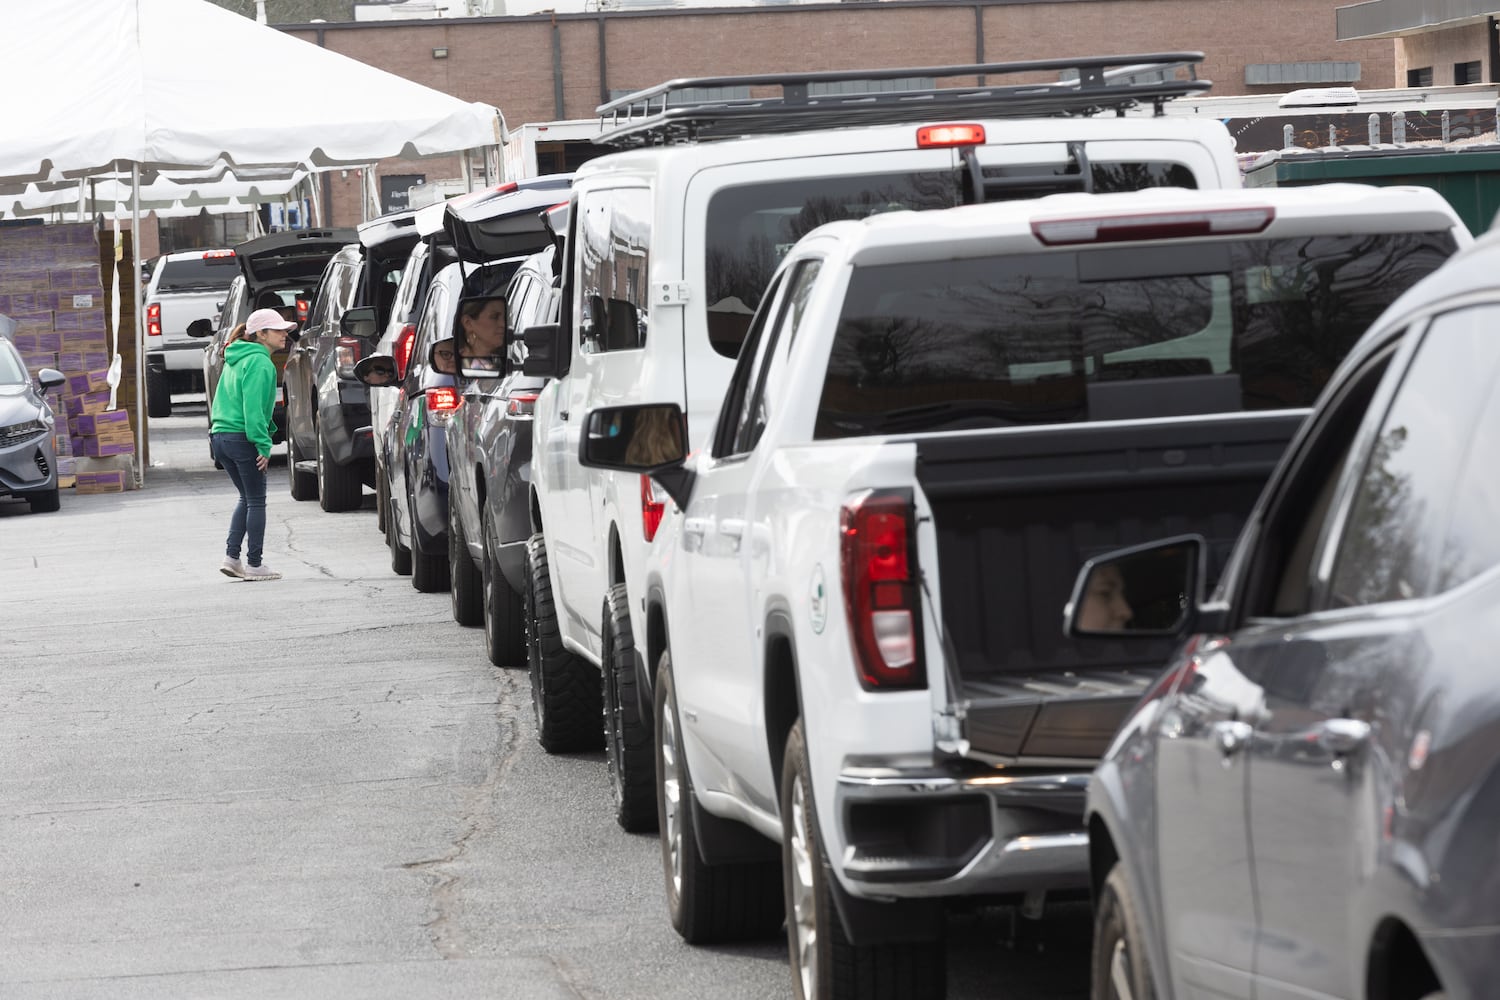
[484,333]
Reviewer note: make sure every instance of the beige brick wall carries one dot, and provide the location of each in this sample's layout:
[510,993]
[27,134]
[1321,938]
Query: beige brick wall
[1442,50]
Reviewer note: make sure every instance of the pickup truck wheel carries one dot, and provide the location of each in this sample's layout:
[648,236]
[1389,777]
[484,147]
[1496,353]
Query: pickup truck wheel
[1120,970]
[158,393]
[429,570]
[504,618]
[304,484]
[465,582]
[400,554]
[338,485]
[627,737]
[564,687]
[706,903]
[825,964]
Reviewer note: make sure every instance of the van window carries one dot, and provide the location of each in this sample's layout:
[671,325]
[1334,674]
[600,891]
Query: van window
[1104,334]
[614,230]
[752,226]
[197,273]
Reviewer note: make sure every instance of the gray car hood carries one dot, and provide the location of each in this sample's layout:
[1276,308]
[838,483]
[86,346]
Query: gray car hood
[18,405]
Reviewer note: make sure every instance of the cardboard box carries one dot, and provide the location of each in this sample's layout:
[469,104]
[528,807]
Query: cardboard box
[101,482]
[70,320]
[91,402]
[26,343]
[71,362]
[95,447]
[66,482]
[115,467]
[98,423]
[84,278]
[35,362]
[92,380]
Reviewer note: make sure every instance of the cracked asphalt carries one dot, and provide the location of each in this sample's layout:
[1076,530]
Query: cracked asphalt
[318,787]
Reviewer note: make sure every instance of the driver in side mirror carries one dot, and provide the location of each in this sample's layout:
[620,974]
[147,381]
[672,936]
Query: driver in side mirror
[635,438]
[443,356]
[1149,590]
[376,370]
[480,335]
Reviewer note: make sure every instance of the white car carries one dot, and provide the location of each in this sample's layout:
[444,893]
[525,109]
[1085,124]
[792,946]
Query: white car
[854,601]
[187,290]
[671,247]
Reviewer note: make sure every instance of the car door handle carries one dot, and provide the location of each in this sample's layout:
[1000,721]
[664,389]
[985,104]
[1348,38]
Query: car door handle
[1231,736]
[696,526]
[732,526]
[1340,737]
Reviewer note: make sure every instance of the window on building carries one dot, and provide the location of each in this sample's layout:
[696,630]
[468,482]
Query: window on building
[1419,77]
[1310,73]
[1468,72]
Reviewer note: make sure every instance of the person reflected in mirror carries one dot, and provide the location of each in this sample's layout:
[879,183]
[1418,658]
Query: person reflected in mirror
[483,323]
[1104,607]
[656,438]
[445,357]
[380,375]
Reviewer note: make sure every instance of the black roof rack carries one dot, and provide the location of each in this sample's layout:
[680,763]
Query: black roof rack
[1103,83]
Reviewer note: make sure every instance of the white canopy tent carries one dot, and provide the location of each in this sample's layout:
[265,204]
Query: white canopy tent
[163,193]
[133,84]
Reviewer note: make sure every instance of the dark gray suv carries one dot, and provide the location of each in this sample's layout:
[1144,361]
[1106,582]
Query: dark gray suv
[1307,803]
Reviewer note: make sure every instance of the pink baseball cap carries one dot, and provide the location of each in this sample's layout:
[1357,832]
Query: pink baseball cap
[266,319]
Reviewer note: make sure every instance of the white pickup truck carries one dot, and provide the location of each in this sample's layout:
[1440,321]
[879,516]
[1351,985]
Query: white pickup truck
[854,602]
[186,287]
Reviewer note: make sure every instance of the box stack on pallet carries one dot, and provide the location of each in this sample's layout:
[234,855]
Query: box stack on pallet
[50,285]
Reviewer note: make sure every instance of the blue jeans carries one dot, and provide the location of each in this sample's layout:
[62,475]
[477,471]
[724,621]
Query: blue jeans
[238,455]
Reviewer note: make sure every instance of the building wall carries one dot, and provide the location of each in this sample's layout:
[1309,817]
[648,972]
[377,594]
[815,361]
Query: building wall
[509,61]
[1442,50]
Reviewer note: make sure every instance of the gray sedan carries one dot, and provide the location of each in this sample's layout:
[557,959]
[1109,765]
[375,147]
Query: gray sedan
[28,459]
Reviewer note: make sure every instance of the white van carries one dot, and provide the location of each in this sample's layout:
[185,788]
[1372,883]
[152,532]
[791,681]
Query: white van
[670,248]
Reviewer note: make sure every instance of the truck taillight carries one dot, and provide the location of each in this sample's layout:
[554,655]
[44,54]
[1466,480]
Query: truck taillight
[938,136]
[442,401]
[302,307]
[1246,220]
[346,354]
[653,507]
[522,404]
[153,320]
[402,348]
[878,559]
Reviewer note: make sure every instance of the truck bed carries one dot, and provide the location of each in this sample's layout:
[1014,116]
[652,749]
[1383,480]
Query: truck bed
[1018,512]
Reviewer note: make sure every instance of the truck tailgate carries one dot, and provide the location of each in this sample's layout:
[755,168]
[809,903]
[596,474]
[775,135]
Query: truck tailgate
[1018,512]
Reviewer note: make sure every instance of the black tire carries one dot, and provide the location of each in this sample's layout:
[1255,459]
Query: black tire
[465,581]
[400,554]
[627,736]
[338,485]
[564,686]
[304,484]
[429,570]
[1120,969]
[158,393]
[825,965]
[382,498]
[45,502]
[504,609]
[707,904]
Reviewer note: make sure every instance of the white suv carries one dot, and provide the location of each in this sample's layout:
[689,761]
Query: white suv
[670,250]
[854,601]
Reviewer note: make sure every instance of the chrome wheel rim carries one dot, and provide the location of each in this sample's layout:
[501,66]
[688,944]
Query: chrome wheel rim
[1119,971]
[803,916]
[671,787]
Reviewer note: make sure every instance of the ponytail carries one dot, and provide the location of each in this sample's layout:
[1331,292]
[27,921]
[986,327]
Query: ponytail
[236,334]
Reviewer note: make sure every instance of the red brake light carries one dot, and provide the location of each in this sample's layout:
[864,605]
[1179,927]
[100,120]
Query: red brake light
[443,399]
[938,136]
[402,349]
[653,507]
[212,254]
[346,354]
[507,187]
[153,320]
[522,404]
[302,306]
[1154,226]
[880,592]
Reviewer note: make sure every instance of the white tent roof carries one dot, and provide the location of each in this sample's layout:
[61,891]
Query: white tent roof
[182,83]
[163,193]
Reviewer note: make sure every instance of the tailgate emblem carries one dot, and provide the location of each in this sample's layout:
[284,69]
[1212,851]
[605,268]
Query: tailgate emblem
[817,600]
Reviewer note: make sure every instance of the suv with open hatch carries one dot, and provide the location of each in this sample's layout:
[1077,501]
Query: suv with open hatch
[1306,803]
[937,418]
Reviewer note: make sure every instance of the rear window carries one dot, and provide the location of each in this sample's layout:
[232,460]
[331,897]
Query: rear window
[1106,334]
[193,273]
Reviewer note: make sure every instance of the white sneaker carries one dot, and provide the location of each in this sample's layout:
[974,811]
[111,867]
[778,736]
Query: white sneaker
[232,567]
[261,572]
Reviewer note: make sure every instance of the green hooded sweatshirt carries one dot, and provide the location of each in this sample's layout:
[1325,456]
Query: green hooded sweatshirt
[246,394]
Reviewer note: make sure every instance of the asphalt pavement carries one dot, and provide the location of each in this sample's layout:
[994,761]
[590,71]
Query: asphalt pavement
[318,787]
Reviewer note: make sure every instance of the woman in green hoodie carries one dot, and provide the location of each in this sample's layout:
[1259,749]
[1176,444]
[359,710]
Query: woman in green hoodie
[240,429]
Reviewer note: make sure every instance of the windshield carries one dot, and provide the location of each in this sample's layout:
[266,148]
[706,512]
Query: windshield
[1107,334]
[12,371]
[194,273]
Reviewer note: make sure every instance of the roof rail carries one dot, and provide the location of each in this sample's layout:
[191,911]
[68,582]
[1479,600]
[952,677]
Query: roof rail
[1103,83]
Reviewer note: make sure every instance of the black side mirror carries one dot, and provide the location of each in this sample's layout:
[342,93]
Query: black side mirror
[377,370]
[201,328]
[50,378]
[1147,591]
[546,352]
[651,440]
[442,357]
[359,322]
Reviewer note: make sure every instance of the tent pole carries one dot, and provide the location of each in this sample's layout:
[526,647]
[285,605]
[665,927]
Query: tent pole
[140,341]
[468,170]
[315,201]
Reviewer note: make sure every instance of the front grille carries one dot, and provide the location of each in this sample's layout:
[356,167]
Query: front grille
[42,465]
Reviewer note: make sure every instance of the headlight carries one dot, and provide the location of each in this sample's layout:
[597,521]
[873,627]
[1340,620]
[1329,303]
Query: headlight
[18,432]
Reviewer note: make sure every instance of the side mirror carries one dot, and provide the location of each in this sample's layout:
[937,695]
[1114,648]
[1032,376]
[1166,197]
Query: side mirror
[50,378]
[480,334]
[546,352]
[359,322]
[1147,591]
[377,370]
[442,356]
[201,328]
[650,439]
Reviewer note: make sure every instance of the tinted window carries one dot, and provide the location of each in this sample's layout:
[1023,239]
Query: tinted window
[751,228]
[1424,516]
[740,384]
[197,273]
[1109,333]
[761,404]
[615,231]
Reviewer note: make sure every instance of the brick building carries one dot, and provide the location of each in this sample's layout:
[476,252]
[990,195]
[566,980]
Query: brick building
[1455,42]
[544,67]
